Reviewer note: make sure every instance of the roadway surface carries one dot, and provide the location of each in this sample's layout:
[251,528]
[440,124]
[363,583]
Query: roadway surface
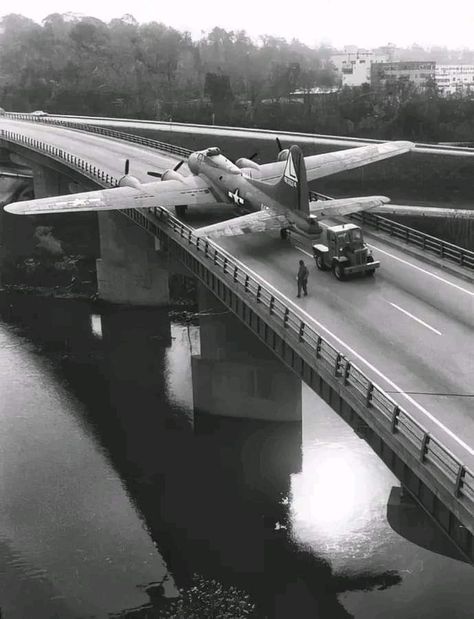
[410,328]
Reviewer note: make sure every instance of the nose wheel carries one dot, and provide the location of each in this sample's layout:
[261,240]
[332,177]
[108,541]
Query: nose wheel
[284,234]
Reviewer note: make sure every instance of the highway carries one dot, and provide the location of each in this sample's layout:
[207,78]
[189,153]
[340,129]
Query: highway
[245,133]
[410,328]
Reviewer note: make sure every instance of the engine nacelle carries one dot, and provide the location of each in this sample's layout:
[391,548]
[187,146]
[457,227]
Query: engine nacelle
[283,154]
[129,181]
[246,163]
[171,175]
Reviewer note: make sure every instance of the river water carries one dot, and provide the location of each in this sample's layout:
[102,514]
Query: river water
[113,494]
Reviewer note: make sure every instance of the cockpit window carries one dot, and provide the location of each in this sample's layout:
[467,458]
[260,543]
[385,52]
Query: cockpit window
[212,152]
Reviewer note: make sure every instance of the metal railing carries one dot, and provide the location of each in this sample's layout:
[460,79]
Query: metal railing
[443,466]
[443,249]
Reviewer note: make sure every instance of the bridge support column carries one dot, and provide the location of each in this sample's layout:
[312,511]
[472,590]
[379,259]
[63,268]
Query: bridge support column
[236,375]
[47,182]
[130,270]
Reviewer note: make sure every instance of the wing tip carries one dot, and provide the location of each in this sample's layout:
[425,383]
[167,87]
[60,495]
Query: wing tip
[15,209]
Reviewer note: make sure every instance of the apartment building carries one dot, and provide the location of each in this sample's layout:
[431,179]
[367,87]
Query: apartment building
[353,65]
[454,78]
[418,72]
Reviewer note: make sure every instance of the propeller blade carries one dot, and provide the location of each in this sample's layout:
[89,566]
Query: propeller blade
[127,166]
[180,163]
[155,174]
[252,157]
[280,147]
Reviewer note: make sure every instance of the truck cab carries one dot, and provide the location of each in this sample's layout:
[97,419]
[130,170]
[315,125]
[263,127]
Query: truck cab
[344,251]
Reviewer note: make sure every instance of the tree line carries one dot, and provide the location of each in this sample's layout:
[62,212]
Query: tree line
[81,65]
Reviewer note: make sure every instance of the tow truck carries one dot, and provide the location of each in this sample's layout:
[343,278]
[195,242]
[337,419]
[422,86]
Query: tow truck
[344,251]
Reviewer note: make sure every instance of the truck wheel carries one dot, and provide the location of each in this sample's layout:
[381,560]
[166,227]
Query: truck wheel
[339,272]
[320,262]
[370,272]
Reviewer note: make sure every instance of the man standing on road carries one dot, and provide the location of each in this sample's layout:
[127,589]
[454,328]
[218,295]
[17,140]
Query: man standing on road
[302,279]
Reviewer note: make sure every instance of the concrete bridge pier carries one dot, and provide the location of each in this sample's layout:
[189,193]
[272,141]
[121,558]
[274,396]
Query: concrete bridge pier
[236,375]
[131,269]
[48,182]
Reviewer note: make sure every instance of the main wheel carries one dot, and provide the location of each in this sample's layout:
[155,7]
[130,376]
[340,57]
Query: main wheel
[283,234]
[320,262]
[181,210]
[339,271]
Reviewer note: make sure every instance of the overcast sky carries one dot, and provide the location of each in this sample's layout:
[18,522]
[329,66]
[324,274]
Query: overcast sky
[366,23]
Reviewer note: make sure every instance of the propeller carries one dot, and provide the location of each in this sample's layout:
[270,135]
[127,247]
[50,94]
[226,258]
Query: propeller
[160,174]
[252,157]
[280,147]
[127,166]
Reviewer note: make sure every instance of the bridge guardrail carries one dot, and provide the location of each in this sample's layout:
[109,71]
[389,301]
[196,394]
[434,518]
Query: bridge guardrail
[436,458]
[443,249]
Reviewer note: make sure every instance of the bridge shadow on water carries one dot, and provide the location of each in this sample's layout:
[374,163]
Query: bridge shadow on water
[212,491]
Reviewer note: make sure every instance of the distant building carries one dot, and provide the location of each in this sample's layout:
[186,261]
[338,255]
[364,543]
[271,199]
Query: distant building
[454,78]
[312,93]
[353,65]
[417,72]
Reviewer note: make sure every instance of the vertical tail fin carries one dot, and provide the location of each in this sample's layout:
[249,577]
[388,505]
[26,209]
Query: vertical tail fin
[292,188]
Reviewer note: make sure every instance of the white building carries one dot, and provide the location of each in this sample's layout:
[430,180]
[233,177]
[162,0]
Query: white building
[454,78]
[353,65]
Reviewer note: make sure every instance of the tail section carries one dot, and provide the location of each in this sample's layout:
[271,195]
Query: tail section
[291,191]
[292,188]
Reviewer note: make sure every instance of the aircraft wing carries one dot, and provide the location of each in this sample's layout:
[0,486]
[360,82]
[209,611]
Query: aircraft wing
[170,193]
[345,206]
[259,221]
[424,211]
[325,164]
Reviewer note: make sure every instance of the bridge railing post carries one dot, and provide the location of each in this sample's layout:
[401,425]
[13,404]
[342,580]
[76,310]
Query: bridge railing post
[301,331]
[394,422]
[424,446]
[319,342]
[369,393]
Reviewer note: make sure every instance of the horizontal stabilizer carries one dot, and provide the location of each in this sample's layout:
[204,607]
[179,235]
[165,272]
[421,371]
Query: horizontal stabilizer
[254,222]
[345,206]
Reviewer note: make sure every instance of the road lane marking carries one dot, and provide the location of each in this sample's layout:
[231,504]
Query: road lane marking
[390,382]
[425,324]
[414,266]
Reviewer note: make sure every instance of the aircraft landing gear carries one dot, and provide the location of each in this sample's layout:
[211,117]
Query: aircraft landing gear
[284,234]
[180,210]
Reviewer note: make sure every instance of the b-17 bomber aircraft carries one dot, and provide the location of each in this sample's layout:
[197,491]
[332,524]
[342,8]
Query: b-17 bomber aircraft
[274,195]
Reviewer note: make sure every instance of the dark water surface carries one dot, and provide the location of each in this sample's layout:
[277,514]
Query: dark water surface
[110,486]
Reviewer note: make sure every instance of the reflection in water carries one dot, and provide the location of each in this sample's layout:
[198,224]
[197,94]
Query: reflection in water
[70,533]
[110,484]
